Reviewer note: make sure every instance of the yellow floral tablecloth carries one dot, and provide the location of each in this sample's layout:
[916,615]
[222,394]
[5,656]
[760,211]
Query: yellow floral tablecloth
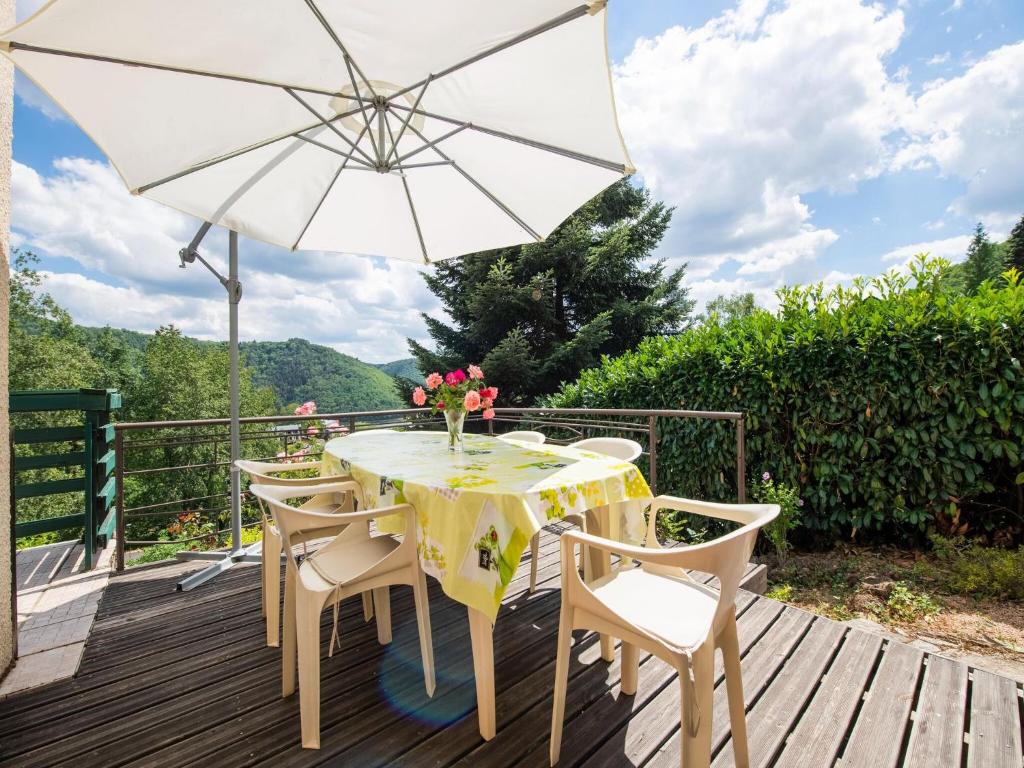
[477,510]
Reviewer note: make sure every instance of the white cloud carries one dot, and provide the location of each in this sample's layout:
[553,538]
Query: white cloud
[25,8]
[32,96]
[952,248]
[734,121]
[127,246]
[972,127]
[938,58]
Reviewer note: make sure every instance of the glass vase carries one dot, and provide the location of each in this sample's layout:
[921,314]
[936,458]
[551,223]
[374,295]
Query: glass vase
[455,420]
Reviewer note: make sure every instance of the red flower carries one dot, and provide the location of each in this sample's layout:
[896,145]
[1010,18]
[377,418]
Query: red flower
[439,405]
[460,376]
[494,535]
[490,393]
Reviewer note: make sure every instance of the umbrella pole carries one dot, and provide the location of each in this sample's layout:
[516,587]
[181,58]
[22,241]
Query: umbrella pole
[222,561]
[234,296]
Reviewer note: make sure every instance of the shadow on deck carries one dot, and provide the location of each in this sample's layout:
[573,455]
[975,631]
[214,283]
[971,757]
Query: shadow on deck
[172,679]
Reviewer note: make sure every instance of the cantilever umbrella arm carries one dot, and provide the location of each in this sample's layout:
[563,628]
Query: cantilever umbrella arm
[223,561]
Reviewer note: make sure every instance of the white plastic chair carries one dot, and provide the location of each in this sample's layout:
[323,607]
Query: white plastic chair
[658,608]
[524,436]
[353,563]
[616,447]
[269,473]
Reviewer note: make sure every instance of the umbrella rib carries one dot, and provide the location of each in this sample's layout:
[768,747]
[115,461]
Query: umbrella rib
[483,190]
[333,128]
[349,64]
[408,194]
[415,219]
[571,154]
[327,191]
[409,117]
[570,15]
[15,46]
[364,165]
[433,143]
[230,156]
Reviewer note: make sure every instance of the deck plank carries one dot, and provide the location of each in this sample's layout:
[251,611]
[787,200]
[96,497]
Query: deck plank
[937,736]
[773,715]
[995,738]
[171,679]
[877,737]
[816,739]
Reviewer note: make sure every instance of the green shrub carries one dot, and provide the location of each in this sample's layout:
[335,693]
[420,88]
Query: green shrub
[972,569]
[767,491]
[905,605]
[889,404]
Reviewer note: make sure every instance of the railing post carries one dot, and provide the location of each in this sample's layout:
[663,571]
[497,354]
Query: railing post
[351,424]
[119,498]
[741,463]
[652,452]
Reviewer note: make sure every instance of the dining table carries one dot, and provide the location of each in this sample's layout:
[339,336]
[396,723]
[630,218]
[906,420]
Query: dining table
[477,509]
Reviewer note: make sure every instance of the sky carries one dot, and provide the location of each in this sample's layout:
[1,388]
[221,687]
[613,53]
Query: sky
[800,141]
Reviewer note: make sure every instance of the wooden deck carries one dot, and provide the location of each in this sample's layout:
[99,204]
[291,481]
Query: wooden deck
[172,679]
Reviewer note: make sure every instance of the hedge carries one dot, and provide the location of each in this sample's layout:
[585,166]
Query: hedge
[892,405]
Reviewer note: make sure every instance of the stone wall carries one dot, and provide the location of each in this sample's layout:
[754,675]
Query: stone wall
[6,115]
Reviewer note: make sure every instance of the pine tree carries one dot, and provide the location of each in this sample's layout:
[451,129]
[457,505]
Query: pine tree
[1015,247]
[984,260]
[536,315]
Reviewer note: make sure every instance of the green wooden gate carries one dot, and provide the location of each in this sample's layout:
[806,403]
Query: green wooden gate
[92,451]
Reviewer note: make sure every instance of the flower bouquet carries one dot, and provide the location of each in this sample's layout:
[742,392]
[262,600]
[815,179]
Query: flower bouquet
[456,394]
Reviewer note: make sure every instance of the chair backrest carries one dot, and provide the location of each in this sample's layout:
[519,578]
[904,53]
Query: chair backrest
[524,436]
[616,447]
[269,472]
[725,557]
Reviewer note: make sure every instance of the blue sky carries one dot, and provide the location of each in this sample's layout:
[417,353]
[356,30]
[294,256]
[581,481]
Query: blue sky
[798,141]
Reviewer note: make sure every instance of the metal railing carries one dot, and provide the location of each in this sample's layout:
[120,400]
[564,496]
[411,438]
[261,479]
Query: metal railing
[151,454]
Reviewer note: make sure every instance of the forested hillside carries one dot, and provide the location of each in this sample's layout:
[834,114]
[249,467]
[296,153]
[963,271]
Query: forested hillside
[406,368]
[298,371]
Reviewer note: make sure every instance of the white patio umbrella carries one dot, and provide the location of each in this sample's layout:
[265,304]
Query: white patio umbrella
[410,129]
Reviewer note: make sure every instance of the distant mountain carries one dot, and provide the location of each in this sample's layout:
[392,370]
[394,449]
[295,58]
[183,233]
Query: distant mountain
[297,370]
[406,368]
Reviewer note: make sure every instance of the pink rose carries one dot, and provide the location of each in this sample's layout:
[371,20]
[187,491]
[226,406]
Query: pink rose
[450,380]
[434,381]
[460,376]
[472,401]
[475,372]
[488,413]
[312,431]
[419,396]
[486,402]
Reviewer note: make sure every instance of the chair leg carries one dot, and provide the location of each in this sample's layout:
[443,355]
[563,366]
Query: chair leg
[561,679]
[729,643]
[307,629]
[534,549]
[630,668]
[288,646]
[367,607]
[272,585]
[263,571]
[382,609]
[419,592]
[697,706]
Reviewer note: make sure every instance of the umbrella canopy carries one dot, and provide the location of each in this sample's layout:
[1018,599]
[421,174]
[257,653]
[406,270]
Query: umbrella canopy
[407,129]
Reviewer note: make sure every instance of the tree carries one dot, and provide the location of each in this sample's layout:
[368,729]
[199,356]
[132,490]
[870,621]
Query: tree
[725,309]
[536,315]
[1015,246]
[985,260]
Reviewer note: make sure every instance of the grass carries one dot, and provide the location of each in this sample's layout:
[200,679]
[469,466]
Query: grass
[959,594]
